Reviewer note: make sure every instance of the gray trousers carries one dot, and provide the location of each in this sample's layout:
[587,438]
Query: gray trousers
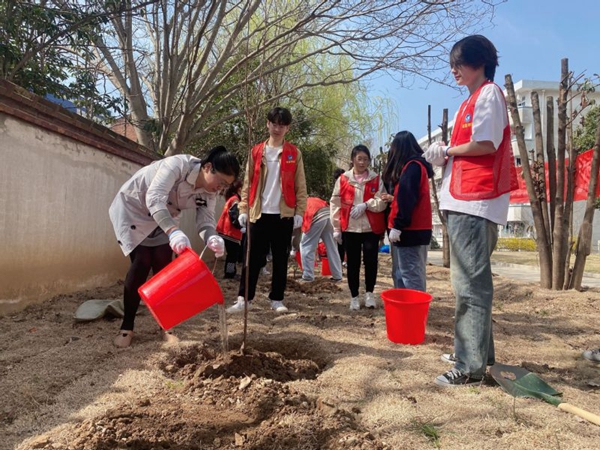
[321,229]
[409,267]
[472,241]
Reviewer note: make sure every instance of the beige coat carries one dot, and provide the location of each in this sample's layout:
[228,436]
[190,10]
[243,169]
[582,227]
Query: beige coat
[285,210]
[376,204]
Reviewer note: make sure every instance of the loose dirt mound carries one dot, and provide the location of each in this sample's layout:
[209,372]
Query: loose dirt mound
[239,400]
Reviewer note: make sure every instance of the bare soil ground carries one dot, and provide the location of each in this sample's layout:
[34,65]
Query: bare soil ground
[320,377]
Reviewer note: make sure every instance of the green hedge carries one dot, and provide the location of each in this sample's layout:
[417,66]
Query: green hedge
[516,244]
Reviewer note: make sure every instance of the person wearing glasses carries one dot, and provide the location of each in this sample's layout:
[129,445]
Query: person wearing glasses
[145,216]
[272,205]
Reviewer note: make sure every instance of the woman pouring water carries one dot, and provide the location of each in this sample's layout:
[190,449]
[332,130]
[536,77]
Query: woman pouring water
[145,216]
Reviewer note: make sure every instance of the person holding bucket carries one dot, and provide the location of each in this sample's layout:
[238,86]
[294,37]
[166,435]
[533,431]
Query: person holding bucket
[273,203]
[316,225]
[145,216]
[410,220]
[479,175]
[230,229]
[357,217]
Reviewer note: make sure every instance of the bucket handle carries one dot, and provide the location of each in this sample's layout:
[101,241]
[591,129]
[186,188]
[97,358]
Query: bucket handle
[216,258]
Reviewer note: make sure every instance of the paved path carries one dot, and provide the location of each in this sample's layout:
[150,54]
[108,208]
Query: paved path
[514,271]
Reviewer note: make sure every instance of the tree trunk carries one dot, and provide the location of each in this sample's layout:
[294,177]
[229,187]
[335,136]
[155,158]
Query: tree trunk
[569,199]
[551,152]
[584,241]
[445,238]
[541,235]
[540,163]
[560,227]
[434,194]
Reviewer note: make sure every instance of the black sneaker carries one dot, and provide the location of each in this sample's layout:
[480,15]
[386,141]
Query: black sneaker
[455,378]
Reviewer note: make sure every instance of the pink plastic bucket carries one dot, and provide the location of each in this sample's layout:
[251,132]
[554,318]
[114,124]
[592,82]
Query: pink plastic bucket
[181,290]
[406,313]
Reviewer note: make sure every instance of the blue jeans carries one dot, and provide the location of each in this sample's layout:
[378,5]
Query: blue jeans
[472,240]
[408,267]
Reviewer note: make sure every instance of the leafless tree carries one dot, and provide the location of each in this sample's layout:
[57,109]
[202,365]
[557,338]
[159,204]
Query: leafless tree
[178,63]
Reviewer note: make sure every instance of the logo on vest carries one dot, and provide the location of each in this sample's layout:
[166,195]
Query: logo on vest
[468,118]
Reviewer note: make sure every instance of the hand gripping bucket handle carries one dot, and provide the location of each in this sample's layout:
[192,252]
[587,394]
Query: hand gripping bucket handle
[181,290]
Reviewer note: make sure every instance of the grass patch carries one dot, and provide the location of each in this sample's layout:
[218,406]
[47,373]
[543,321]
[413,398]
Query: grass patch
[429,430]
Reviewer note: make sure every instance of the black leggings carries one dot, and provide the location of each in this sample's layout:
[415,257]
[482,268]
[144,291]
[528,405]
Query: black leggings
[234,255]
[142,260]
[368,243]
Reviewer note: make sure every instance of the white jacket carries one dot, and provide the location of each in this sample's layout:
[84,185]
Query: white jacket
[376,204]
[164,184]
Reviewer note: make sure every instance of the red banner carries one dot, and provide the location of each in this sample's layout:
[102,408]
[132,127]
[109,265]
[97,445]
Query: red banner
[583,167]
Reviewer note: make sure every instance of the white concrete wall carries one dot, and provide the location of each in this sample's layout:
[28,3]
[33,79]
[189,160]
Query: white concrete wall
[55,233]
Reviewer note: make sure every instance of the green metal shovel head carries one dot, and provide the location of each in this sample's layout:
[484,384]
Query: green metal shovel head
[519,382]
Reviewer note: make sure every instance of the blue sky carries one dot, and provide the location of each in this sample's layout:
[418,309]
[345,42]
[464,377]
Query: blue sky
[532,36]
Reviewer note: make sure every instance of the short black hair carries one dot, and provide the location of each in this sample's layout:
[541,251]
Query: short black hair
[280,116]
[337,172]
[475,51]
[360,148]
[222,161]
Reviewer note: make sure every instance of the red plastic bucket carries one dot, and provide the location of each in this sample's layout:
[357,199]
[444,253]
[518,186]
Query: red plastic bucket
[325,270]
[406,313]
[181,290]
[299,260]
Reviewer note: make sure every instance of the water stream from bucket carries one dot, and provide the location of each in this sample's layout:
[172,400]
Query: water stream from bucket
[223,328]
[222,319]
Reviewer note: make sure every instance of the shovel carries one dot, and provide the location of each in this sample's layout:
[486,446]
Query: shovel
[519,382]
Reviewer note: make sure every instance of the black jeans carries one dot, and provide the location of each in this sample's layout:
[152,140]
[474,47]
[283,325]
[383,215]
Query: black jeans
[142,260]
[273,231]
[368,244]
[234,253]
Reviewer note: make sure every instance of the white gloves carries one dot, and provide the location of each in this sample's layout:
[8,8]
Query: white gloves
[297,221]
[436,154]
[243,221]
[217,245]
[178,241]
[358,210]
[394,235]
[338,237]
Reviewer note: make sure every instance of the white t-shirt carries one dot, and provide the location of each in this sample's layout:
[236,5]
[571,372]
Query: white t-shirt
[489,121]
[271,195]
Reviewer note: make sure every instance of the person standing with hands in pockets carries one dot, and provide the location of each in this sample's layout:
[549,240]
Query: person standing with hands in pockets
[145,216]
[479,175]
[272,205]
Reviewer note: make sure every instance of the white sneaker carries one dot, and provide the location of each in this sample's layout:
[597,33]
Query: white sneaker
[354,304]
[278,306]
[238,307]
[370,301]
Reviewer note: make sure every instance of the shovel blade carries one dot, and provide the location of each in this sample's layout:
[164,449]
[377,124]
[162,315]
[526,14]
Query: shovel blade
[519,382]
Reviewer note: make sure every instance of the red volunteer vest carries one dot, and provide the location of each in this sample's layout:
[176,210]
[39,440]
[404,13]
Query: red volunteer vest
[347,191]
[421,215]
[224,225]
[287,172]
[313,204]
[480,177]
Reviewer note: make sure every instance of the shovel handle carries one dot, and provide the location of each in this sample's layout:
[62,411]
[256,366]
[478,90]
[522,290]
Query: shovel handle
[580,412]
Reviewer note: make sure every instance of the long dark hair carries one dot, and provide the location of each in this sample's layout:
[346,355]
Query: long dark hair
[403,148]
[222,161]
